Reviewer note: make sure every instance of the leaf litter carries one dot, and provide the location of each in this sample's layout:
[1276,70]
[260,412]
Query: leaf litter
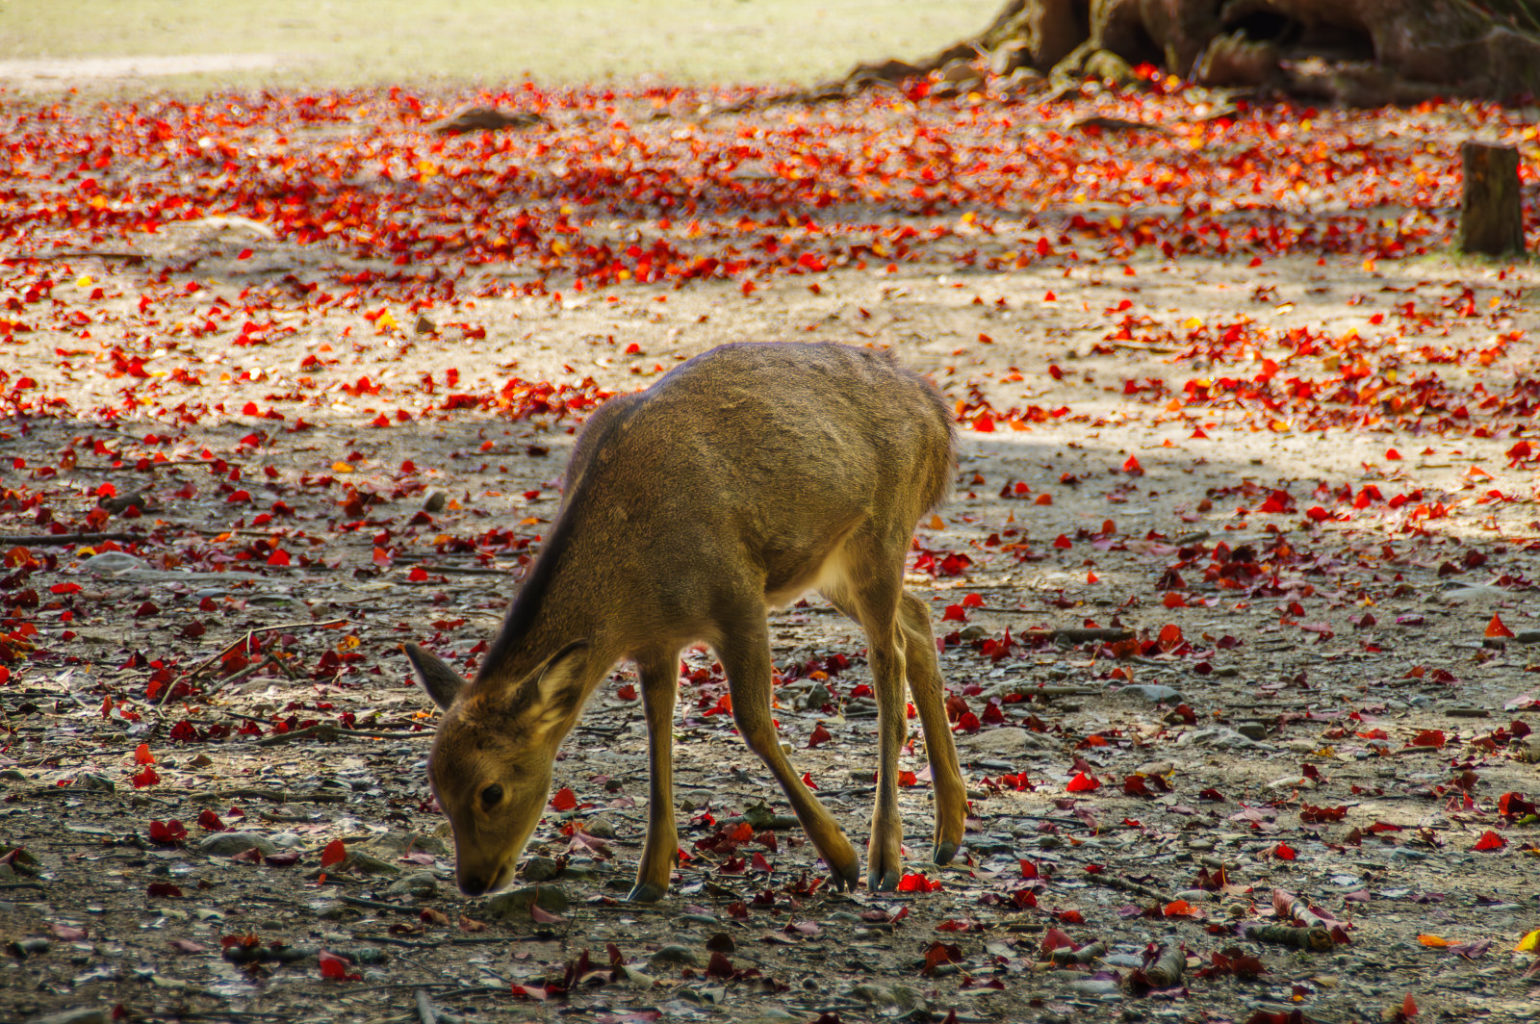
[1235,591]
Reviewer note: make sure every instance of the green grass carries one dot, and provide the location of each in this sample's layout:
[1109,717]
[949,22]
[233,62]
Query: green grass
[356,42]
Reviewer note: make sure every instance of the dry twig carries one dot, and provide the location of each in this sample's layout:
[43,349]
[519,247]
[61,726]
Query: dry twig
[327,731]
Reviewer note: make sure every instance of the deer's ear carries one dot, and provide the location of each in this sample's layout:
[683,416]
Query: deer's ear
[442,682]
[555,689]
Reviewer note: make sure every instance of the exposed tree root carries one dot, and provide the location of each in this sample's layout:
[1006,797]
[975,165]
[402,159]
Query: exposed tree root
[1354,52]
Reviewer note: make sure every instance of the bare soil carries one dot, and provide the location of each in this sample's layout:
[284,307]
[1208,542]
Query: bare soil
[1310,703]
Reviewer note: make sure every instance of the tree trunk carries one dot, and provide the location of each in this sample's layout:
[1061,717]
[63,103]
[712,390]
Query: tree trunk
[1358,52]
[1491,216]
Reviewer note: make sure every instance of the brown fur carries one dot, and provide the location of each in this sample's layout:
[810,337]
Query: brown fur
[737,482]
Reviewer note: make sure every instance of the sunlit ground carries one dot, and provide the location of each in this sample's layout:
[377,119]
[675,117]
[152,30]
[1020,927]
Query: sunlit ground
[312,43]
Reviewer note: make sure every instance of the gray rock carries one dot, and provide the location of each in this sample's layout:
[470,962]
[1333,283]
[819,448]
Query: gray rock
[816,697]
[421,884]
[600,827]
[332,910]
[1219,737]
[111,563]
[32,945]
[1005,742]
[1155,693]
[367,863]
[1097,988]
[397,842]
[1464,593]
[228,844]
[898,997]
[515,903]
[669,956]
[539,869]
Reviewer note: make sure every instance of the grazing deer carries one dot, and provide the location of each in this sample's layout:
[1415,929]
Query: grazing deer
[742,479]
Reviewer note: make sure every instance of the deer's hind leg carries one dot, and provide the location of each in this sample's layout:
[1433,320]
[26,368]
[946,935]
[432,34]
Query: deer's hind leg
[923,671]
[869,590]
[744,648]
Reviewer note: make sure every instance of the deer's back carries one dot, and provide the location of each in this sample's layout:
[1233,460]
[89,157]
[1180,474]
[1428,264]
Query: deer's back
[764,450]
[753,428]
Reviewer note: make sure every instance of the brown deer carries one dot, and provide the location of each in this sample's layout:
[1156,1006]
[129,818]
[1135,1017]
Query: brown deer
[737,482]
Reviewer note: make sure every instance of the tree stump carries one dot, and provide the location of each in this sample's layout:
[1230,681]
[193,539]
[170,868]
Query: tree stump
[1491,217]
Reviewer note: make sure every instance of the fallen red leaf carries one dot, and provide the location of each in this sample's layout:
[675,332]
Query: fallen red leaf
[334,853]
[167,833]
[1082,783]
[1490,841]
[335,968]
[1495,628]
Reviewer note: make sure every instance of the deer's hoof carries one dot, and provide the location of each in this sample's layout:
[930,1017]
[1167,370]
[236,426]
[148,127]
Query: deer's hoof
[645,892]
[885,882]
[845,879]
[945,851]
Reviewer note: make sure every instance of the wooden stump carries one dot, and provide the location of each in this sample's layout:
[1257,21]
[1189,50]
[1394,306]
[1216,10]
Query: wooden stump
[1491,217]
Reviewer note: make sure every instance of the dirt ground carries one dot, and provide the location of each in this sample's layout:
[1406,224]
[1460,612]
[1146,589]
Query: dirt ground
[1290,479]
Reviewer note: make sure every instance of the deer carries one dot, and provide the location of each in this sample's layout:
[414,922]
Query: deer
[739,481]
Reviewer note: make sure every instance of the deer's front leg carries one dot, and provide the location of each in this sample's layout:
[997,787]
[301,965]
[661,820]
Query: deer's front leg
[884,853]
[660,688]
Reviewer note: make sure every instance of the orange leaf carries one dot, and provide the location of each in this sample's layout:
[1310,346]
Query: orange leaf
[1082,783]
[335,968]
[335,853]
[1490,841]
[1054,939]
[1496,627]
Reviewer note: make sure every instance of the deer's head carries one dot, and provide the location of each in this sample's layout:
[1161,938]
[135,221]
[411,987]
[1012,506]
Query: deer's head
[490,765]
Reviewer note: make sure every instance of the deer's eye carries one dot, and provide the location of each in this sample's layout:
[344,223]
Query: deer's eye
[491,795]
